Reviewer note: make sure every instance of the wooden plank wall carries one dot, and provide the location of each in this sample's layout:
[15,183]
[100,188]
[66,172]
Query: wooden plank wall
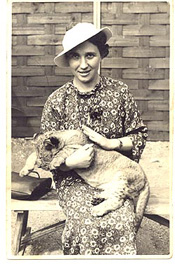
[37,32]
[139,55]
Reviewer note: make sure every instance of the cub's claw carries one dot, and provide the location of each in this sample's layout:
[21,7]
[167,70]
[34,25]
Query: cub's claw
[96,201]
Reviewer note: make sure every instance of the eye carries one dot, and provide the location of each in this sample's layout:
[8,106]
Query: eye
[90,55]
[73,56]
[54,141]
[51,143]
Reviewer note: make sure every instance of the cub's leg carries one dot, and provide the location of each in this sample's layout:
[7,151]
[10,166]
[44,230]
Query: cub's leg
[29,165]
[114,194]
[107,206]
[61,156]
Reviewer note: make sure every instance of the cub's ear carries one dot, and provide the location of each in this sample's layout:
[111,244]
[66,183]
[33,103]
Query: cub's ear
[36,135]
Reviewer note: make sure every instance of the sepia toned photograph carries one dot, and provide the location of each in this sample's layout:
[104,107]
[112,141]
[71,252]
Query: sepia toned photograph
[90,130]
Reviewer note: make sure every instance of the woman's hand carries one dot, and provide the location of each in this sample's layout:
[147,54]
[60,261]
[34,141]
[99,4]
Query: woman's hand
[81,158]
[105,143]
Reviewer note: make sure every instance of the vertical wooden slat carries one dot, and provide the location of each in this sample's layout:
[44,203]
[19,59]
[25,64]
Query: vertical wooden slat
[96,13]
[96,18]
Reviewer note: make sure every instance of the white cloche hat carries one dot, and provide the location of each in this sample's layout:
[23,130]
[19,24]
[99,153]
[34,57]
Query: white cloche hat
[77,35]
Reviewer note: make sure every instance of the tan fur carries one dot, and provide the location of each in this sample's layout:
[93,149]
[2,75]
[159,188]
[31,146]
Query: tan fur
[115,175]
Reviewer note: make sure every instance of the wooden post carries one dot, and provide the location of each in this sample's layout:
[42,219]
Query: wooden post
[96,13]
[96,17]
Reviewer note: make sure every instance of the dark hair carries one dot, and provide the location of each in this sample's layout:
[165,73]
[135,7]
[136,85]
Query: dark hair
[99,40]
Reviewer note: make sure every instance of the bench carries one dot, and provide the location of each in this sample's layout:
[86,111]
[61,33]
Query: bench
[158,210]
[22,234]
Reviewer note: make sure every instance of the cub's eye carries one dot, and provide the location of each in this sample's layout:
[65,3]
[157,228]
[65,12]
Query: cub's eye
[90,56]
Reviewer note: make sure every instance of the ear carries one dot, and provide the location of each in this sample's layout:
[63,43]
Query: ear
[36,135]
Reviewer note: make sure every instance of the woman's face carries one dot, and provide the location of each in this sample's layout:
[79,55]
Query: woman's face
[84,61]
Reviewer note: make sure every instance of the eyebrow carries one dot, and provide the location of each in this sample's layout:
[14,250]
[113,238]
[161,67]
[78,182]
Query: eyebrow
[72,53]
[76,53]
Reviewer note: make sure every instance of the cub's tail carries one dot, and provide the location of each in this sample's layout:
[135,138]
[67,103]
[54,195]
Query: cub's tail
[141,204]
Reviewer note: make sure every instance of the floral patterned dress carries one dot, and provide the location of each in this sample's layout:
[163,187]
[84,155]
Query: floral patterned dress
[110,110]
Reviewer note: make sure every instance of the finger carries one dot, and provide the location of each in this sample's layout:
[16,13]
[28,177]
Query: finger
[91,151]
[92,155]
[94,139]
[90,132]
[88,152]
[86,132]
[76,146]
[87,129]
[88,146]
[92,158]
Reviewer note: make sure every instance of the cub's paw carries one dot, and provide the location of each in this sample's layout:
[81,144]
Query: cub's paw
[102,195]
[24,172]
[97,211]
[55,163]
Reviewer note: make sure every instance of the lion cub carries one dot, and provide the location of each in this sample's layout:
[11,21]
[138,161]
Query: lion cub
[115,175]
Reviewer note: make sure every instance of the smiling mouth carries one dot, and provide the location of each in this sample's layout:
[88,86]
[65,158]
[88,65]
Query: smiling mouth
[85,73]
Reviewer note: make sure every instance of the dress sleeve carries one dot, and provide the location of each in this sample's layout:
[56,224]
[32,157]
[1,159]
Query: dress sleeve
[133,125]
[50,119]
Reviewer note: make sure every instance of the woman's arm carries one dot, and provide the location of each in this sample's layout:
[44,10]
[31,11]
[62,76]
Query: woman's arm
[133,126]
[135,134]
[123,144]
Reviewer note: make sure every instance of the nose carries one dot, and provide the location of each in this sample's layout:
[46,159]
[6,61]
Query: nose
[83,63]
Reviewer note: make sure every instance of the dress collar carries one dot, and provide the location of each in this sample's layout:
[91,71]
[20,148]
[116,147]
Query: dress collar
[98,86]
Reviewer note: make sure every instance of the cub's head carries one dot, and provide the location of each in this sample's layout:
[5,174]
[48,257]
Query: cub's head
[46,142]
[47,145]
[51,143]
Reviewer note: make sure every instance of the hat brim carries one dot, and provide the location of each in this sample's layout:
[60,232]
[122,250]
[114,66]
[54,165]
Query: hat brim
[61,60]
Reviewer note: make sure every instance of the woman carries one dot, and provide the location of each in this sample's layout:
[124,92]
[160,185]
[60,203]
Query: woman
[107,113]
